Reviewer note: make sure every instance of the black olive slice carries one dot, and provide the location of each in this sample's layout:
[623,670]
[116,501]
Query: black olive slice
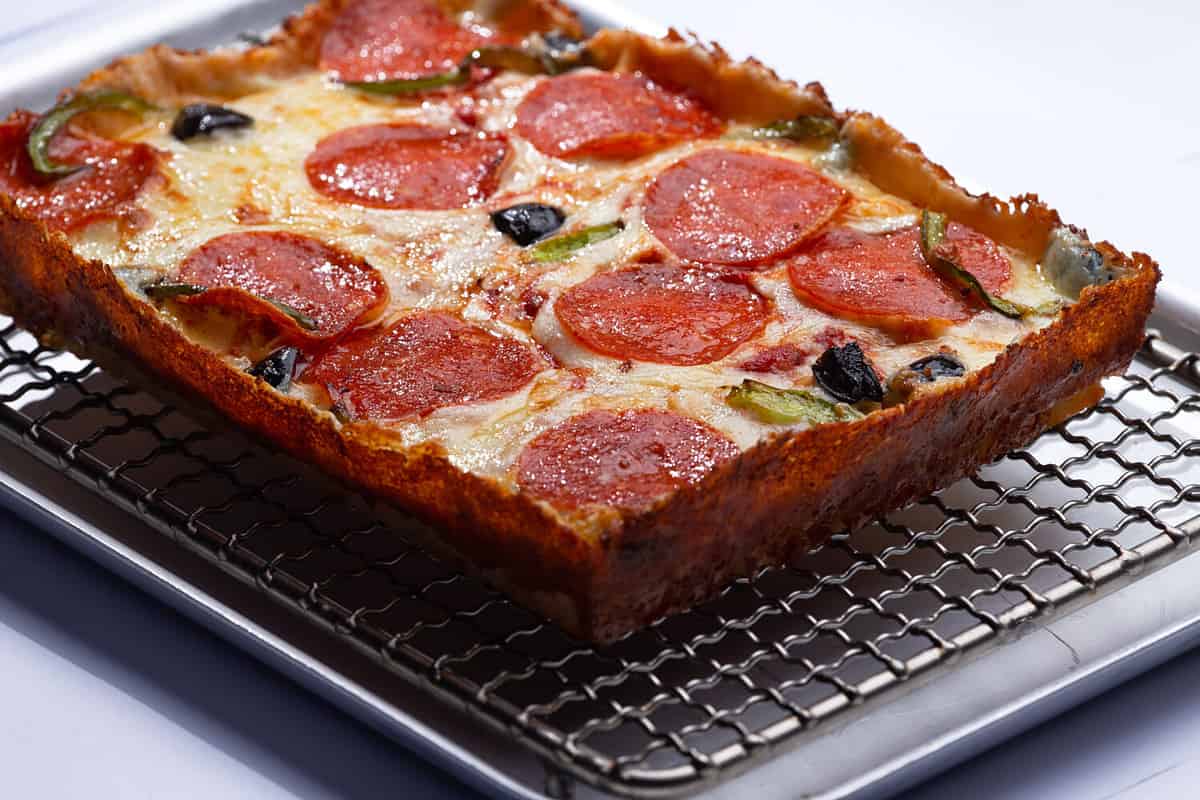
[204,118]
[938,365]
[277,368]
[905,383]
[845,374]
[526,223]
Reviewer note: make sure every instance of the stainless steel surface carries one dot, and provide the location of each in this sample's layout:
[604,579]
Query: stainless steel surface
[786,671]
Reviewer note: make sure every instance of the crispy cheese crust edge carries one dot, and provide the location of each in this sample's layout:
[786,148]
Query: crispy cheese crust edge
[602,573]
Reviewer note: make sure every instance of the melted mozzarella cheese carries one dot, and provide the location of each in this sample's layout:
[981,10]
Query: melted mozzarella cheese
[255,179]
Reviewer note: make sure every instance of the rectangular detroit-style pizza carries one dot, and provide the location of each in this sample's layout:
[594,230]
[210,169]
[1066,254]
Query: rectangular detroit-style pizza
[622,318]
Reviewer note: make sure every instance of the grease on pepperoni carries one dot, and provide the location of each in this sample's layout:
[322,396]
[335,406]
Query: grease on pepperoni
[244,270]
[625,459]
[420,364]
[664,313]
[106,187]
[738,208]
[881,279]
[609,115]
[375,40]
[407,166]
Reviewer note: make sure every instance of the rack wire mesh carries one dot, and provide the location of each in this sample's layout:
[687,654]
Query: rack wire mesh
[694,698]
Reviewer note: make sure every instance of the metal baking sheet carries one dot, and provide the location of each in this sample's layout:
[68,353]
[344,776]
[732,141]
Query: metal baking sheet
[889,654]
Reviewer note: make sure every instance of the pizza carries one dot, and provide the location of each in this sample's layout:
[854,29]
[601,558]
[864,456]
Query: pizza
[623,318]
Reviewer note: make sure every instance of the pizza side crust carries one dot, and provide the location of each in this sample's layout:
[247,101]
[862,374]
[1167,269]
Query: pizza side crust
[740,91]
[751,93]
[602,573]
[790,492]
[176,77]
[56,294]
[896,165]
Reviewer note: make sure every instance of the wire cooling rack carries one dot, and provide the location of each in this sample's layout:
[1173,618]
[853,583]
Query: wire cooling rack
[694,698]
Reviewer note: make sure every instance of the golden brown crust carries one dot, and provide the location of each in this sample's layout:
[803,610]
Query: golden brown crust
[176,77]
[52,290]
[742,91]
[786,492]
[606,573]
[898,166]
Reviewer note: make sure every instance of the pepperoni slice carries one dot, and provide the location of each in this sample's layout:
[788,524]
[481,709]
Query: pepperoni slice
[375,40]
[665,313]
[246,270]
[625,459]
[882,279]
[406,166]
[730,207]
[114,175]
[420,364]
[608,115]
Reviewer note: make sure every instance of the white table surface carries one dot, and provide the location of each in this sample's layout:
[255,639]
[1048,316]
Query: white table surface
[106,693]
